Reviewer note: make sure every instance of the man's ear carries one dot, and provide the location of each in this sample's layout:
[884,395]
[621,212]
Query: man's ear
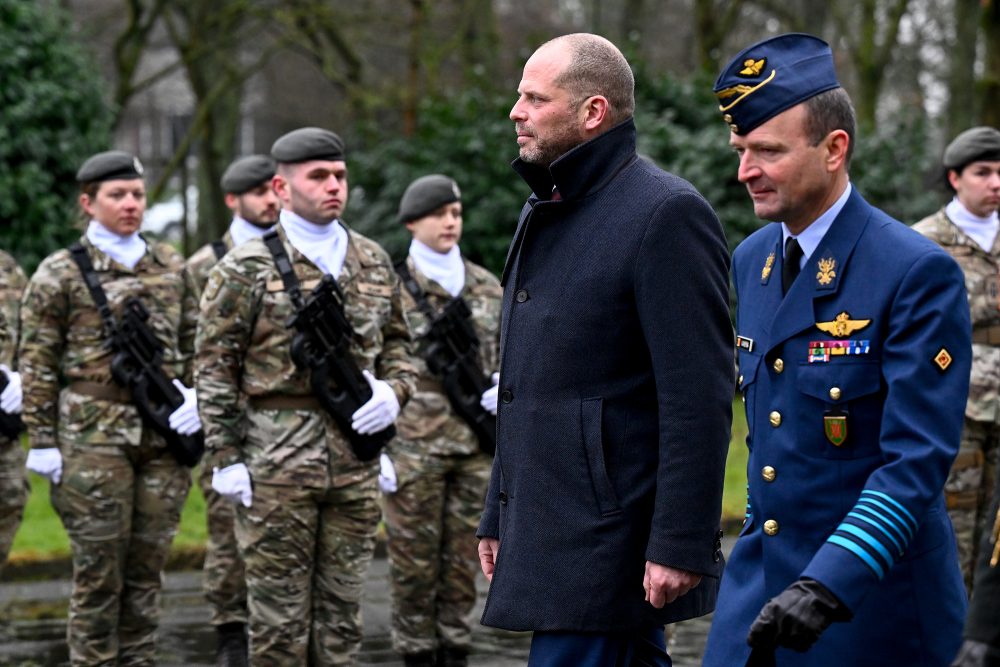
[837,144]
[595,112]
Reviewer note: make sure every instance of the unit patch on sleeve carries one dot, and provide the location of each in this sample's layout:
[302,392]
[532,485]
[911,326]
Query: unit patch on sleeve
[943,359]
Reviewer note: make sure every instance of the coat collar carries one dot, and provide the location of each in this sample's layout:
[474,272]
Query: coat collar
[821,276]
[103,262]
[583,169]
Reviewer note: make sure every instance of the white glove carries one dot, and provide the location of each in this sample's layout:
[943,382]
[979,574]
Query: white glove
[185,419]
[386,475]
[45,462]
[233,483]
[489,398]
[379,412]
[10,398]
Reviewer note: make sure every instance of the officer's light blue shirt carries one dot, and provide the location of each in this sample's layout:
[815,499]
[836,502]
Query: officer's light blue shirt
[810,239]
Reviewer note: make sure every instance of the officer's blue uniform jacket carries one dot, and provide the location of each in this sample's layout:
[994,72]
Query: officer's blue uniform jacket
[851,437]
[616,385]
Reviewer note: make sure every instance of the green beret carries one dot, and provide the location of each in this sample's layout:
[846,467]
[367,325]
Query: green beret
[978,143]
[308,143]
[247,173]
[427,194]
[109,166]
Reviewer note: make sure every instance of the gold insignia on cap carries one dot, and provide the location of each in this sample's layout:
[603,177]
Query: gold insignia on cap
[753,67]
[727,118]
[842,325]
[943,359]
[768,264]
[742,90]
[826,272]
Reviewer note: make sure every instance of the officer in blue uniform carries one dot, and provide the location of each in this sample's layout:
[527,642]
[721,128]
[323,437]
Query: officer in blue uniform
[854,350]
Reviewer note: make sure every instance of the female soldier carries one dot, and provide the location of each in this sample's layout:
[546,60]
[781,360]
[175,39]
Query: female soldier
[116,487]
[436,461]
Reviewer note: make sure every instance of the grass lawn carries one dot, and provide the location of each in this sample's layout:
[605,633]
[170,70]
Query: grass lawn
[41,534]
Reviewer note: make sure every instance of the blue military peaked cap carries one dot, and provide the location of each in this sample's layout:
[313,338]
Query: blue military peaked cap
[771,76]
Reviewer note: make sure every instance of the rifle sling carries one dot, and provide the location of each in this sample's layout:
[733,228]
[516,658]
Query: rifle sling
[93,283]
[411,285]
[284,266]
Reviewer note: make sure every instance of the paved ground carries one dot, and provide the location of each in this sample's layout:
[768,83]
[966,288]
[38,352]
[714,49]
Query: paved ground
[33,625]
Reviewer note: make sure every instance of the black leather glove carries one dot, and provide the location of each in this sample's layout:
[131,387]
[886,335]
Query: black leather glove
[977,654]
[797,617]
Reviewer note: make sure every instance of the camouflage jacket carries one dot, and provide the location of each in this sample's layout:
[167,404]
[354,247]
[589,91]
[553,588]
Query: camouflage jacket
[201,262]
[982,280]
[428,425]
[63,341]
[12,280]
[243,348]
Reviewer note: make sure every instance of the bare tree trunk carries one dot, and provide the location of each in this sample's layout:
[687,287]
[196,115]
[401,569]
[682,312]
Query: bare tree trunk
[990,83]
[962,67]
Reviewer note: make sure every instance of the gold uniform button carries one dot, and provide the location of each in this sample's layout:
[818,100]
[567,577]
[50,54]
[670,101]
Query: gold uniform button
[734,128]
[835,393]
[727,118]
[768,473]
[779,365]
[771,527]
[775,419]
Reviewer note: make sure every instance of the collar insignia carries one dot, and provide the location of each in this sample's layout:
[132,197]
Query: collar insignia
[826,272]
[766,271]
[842,326]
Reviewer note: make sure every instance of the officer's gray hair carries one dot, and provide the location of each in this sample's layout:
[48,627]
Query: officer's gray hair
[597,67]
[831,110]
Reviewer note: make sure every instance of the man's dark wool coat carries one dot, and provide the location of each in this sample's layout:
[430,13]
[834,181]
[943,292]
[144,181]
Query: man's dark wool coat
[616,383]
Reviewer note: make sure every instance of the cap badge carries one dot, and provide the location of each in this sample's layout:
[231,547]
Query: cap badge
[753,67]
[137,165]
[842,326]
[768,264]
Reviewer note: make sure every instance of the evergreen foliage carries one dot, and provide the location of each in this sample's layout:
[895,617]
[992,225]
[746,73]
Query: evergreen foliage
[52,119]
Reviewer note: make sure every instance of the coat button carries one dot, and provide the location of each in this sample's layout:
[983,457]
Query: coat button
[768,473]
[717,556]
[771,527]
[506,396]
[775,418]
[521,296]
[779,365]
[835,393]
[739,380]
[503,498]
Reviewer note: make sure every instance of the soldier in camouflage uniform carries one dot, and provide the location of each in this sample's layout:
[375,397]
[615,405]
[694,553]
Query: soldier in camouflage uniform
[436,476]
[247,184]
[967,228]
[13,484]
[116,487]
[308,509]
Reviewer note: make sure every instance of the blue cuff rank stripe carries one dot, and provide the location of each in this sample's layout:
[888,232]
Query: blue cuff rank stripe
[875,529]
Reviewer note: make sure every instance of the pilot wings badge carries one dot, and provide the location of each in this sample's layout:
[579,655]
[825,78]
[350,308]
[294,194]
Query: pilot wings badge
[842,325]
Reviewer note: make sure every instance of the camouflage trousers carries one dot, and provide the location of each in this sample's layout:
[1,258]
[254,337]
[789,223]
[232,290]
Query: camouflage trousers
[306,553]
[224,580]
[969,490]
[433,561]
[120,506]
[13,493]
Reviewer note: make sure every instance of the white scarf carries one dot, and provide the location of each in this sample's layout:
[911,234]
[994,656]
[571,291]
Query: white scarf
[324,245]
[242,231]
[981,230]
[126,250]
[446,269]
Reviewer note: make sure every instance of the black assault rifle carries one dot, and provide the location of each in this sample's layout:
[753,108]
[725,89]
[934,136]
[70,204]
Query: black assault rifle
[453,355]
[137,365]
[322,344]
[10,423]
